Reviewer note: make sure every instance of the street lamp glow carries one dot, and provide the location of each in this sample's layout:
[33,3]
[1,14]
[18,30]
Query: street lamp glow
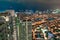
[7,19]
[15,15]
[8,35]
[9,27]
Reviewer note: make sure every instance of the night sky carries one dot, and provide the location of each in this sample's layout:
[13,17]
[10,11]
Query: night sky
[29,4]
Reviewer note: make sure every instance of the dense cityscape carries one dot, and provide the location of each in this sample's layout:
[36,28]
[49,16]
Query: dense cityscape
[30,25]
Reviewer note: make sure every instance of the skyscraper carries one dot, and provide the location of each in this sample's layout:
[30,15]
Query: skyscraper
[6,29]
[24,29]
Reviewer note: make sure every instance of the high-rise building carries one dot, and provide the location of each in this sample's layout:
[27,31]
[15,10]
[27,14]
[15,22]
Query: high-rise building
[6,28]
[12,12]
[24,29]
